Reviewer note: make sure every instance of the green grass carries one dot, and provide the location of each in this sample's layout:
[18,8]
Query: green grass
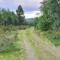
[53,37]
[38,42]
[12,44]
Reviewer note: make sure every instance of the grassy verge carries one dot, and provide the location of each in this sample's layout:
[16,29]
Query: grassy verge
[53,36]
[11,43]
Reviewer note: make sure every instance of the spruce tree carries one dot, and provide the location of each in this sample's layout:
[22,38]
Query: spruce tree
[20,14]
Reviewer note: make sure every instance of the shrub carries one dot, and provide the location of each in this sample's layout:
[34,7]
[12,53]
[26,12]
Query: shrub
[44,23]
[51,16]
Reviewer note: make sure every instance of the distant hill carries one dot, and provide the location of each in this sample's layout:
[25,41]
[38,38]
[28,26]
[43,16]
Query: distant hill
[30,21]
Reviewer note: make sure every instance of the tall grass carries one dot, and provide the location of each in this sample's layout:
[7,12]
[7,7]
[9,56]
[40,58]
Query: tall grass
[53,36]
[8,38]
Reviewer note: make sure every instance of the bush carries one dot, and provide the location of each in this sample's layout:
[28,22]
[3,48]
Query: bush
[44,23]
[51,16]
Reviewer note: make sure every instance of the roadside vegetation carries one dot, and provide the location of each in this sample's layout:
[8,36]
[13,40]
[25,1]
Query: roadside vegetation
[49,22]
[11,43]
[53,36]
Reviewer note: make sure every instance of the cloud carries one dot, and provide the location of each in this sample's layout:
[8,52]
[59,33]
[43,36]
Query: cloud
[33,14]
[26,4]
[30,6]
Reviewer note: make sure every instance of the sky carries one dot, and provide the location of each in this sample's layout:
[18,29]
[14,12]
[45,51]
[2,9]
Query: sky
[30,7]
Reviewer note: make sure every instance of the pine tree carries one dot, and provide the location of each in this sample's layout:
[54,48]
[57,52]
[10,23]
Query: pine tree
[20,14]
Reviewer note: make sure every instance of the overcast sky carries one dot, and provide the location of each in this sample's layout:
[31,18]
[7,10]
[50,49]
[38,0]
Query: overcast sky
[28,5]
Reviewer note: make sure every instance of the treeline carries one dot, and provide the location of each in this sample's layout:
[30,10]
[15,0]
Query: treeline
[51,15]
[8,17]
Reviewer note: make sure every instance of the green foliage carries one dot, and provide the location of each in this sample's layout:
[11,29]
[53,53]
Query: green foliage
[53,36]
[7,17]
[44,23]
[20,10]
[50,18]
[20,14]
